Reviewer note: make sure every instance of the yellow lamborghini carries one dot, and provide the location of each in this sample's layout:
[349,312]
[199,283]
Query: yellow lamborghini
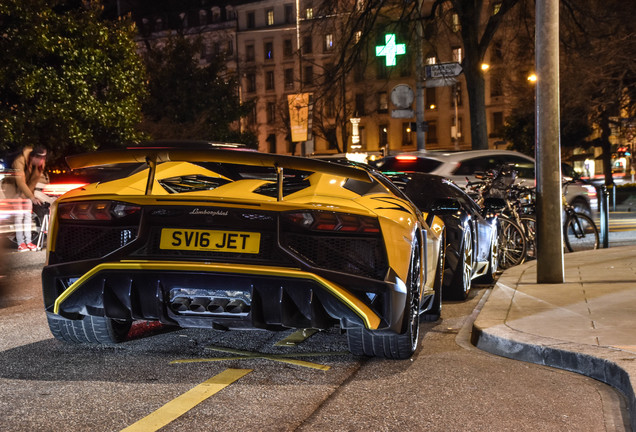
[227,239]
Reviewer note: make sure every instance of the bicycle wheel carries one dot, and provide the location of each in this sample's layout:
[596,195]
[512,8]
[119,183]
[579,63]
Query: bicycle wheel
[529,225]
[512,243]
[580,233]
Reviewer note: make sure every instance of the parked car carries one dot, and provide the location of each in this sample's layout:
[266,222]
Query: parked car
[471,238]
[226,239]
[465,165]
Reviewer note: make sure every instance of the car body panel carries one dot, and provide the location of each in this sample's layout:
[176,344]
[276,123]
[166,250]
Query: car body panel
[424,190]
[300,276]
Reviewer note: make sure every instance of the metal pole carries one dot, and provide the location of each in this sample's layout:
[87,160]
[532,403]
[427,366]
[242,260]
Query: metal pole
[604,211]
[550,267]
[419,82]
[300,65]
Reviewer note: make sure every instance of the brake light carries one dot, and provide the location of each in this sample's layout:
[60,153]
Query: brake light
[332,221]
[96,210]
[58,189]
[406,157]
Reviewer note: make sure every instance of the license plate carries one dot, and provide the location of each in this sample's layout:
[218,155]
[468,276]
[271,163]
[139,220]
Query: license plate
[210,240]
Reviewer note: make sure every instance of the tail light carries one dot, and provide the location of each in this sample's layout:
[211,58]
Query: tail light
[331,221]
[96,210]
[406,157]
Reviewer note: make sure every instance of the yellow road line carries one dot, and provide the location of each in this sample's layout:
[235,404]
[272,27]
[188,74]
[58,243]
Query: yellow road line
[296,337]
[184,403]
[246,355]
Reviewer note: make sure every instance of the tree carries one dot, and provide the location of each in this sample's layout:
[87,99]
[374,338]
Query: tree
[598,78]
[478,23]
[599,46]
[68,80]
[190,101]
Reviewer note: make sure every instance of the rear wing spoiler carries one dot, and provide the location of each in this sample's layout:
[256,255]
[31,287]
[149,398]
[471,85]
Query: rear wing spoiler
[153,156]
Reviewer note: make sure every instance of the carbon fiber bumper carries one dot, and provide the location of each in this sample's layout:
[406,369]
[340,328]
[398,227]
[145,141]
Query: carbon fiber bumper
[207,295]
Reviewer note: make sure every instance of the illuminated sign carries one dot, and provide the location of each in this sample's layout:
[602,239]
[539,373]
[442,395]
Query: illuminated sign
[390,50]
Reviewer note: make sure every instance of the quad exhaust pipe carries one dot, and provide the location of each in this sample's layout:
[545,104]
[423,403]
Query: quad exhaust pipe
[203,305]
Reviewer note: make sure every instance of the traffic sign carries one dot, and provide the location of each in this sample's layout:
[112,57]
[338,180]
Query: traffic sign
[443,70]
[440,82]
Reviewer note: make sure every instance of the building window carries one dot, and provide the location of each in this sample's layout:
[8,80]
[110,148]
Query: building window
[308,76]
[455,22]
[359,105]
[289,14]
[216,15]
[330,108]
[431,59]
[271,143]
[251,20]
[230,48]
[268,49]
[328,42]
[497,124]
[383,135]
[271,112]
[496,84]
[458,54]
[332,138]
[250,82]
[251,117]
[269,17]
[307,45]
[431,98]
[382,69]
[289,78]
[431,133]
[457,132]
[383,102]
[456,95]
[269,80]
[288,48]
[357,36]
[407,134]
[249,53]
[309,12]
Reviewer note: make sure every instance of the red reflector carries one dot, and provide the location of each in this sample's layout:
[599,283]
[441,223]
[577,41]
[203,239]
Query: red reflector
[406,157]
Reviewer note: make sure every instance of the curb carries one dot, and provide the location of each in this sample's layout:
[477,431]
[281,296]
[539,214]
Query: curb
[612,366]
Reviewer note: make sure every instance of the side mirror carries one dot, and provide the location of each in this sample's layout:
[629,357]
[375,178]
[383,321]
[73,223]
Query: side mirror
[445,206]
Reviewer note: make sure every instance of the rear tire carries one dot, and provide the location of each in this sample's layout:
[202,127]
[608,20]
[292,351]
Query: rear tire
[460,285]
[365,342]
[88,330]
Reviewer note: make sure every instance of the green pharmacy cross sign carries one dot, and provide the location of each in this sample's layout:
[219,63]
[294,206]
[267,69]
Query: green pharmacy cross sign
[390,50]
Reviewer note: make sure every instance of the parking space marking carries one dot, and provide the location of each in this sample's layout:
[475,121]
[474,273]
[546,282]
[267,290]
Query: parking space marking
[296,337]
[283,358]
[184,403]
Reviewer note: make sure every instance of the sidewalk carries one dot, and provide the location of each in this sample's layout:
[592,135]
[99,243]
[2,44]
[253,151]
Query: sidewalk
[585,325]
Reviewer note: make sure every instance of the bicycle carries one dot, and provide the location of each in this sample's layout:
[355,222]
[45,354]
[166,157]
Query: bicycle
[579,230]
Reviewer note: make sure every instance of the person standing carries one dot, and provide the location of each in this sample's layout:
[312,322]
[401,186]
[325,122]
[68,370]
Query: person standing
[28,168]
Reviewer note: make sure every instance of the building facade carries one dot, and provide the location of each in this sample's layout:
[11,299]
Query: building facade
[278,51]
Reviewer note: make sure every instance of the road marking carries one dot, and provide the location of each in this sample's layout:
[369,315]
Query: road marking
[283,358]
[296,337]
[184,403]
